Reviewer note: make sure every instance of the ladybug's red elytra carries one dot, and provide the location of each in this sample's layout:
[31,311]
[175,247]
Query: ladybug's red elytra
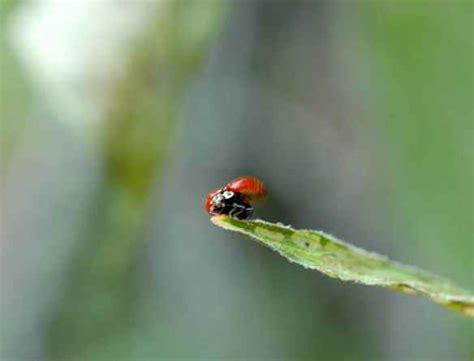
[251,187]
[235,197]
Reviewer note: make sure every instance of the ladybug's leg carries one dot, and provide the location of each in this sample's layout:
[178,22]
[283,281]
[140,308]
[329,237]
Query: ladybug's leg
[240,211]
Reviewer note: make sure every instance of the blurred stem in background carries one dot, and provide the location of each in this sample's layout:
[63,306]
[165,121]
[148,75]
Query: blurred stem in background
[103,298]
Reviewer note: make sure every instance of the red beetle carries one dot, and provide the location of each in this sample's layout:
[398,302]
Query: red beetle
[235,197]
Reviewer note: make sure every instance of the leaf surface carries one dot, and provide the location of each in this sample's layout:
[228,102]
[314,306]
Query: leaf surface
[320,251]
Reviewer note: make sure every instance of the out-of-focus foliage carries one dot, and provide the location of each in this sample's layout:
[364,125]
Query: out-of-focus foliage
[417,84]
[320,251]
[139,125]
[419,60]
[118,117]
[15,97]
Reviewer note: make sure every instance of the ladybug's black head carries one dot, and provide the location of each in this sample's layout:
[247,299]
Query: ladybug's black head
[231,203]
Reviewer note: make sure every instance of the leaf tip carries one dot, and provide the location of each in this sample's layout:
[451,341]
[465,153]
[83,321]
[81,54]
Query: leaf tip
[219,219]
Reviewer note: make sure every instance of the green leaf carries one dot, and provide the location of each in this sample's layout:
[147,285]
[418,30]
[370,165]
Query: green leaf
[320,251]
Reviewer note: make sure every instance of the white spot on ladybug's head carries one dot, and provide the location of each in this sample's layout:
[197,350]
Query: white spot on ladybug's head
[228,194]
[218,199]
[221,197]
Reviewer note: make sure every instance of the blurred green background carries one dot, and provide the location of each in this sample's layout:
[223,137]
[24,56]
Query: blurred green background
[117,118]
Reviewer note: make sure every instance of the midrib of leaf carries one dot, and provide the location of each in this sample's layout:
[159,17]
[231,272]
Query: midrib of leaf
[323,252]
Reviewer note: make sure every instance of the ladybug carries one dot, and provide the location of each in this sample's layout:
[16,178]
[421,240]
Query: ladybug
[235,197]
